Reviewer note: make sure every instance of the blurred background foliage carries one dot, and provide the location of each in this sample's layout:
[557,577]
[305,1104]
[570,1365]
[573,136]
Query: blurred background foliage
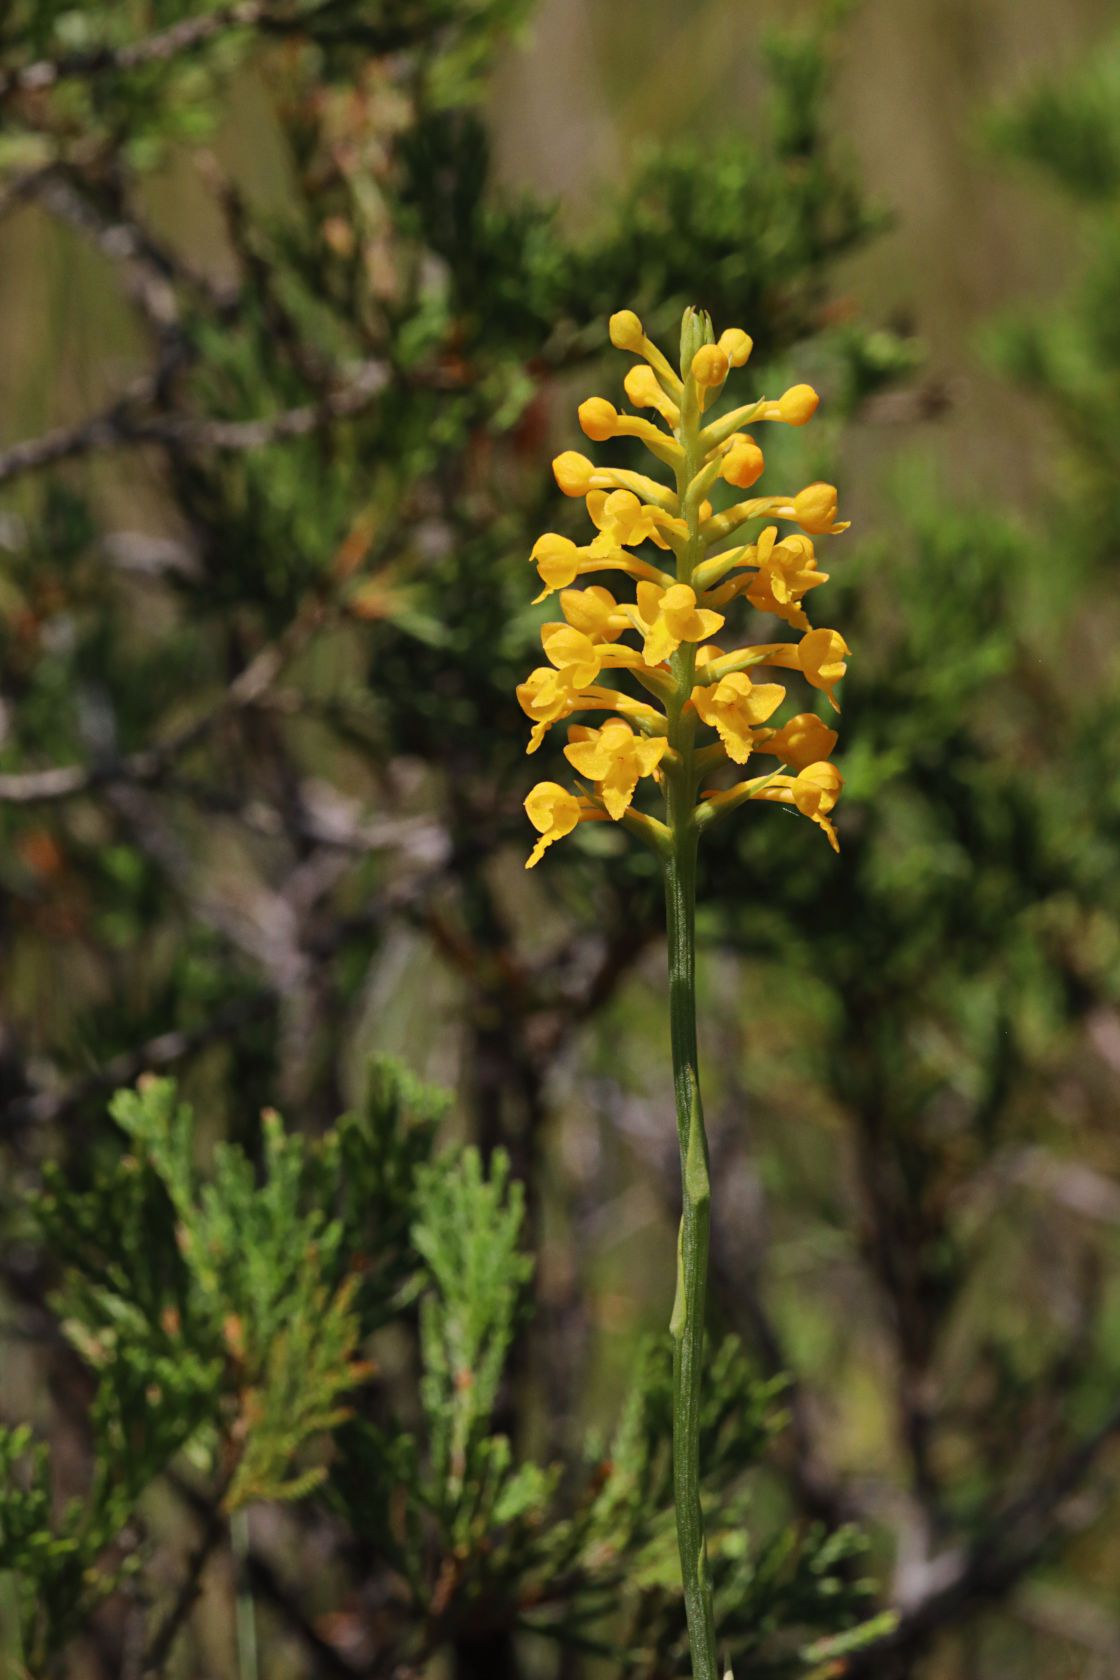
[297,298]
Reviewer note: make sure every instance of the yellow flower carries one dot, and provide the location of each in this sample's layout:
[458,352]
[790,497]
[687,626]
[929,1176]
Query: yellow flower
[668,617]
[743,462]
[546,696]
[804,740]
[630,509]
[601,420]
[821,656]
[814,509]
[598,418]
[559,562]
[736,345]
[814,791]
[573,472]
[787,571]
[622,520]
[572,652]
[709,366]
[795,406]
[594,611]
[709,371]
[553,812]
[578,657]
[626,331]
[576,475]
[735,707]
[614,758]
[643,390]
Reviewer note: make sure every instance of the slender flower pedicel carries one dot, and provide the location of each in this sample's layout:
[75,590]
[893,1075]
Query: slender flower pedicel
[704,708]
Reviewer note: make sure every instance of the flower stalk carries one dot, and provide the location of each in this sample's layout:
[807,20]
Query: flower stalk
[686,1325]
[699,690]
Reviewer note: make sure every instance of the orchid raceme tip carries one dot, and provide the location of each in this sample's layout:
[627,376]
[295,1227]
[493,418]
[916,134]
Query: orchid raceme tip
[703,705]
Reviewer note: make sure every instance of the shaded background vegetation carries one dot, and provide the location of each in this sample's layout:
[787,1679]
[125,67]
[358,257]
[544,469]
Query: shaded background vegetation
[260,784]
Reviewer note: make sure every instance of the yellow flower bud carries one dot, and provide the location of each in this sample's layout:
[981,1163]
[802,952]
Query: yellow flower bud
[736,345]
[709,366]
[573,473]
[743,462]
[626,331]
[643,390]
[814,508]
[797,405]
[599,418]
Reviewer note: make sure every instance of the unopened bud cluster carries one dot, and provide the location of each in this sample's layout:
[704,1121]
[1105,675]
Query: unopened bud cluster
[701,706]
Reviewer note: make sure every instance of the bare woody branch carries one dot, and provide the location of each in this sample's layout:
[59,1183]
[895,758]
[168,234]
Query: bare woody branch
[20,189]
[267,1584]
[159,1649]
[150,49]
[192,33]
[150,272]
[977,1575]
[42,1107]
[250,688]
[124,423]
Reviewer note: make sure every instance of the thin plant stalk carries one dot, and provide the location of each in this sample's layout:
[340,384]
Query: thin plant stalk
[11,1642]
[687,1322]
[248,1666]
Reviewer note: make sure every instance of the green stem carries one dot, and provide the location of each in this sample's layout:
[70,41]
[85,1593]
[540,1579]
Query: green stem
[687,1323]
[11,1642]
[248,1667]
